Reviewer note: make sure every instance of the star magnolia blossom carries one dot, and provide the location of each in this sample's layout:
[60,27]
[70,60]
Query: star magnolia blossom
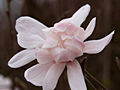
[56,47]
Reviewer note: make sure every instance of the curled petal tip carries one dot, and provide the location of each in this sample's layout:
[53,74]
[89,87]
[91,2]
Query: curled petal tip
[94,18]
[113,32]
[96,46]
[90,28]
[79,16]
[87,6]
[10,64]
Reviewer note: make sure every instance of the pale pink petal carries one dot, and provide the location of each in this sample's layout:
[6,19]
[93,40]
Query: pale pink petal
[27,40]
[64,37]
[36,74]
[59,54]
[62,25]
[90,28]
[72,30]
[79,16]
[29,25]
[62,55]
[80,34]
[75,46]
[50,43]
[96,46]
[65,54]
[52,76]
[51,39]
[22,58]
[44,56]
[75,76]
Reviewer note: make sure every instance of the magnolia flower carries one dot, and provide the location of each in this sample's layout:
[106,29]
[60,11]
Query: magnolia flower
[56,47]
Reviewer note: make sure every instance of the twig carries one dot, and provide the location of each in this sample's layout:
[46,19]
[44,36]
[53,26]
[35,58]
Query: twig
[94,79]
[94,88]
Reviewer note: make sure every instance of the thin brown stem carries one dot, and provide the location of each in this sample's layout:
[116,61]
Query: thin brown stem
[94,79]
[89,82]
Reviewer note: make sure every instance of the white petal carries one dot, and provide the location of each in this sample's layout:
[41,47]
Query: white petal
[29,40]
[75,76]
[96,46]
[79,17]
[50,43]
[29,25]
[90,28]
[44,56]
[52,76]
[36,74]
[22,58]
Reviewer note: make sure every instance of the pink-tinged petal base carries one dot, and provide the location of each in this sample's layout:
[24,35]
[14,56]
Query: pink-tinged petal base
[75,76]
[50,43]
[43,56]
[52,76]
[36,74]
[22,58]
[61,27]
[96,46]
[69,31]
[75,47]
[51,39]
[61,55]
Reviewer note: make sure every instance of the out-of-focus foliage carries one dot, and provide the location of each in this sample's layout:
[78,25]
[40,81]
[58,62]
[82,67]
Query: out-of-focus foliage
[103,66]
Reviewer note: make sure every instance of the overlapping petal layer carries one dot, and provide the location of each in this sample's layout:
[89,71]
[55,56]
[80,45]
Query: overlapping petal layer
[36,74]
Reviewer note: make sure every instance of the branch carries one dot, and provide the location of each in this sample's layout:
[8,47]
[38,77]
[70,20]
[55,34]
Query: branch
[94,79]
[89,82]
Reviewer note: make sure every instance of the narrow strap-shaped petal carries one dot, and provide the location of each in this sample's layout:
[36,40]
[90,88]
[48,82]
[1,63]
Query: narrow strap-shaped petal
[52,76]
[36,74]
[96,46]
[79,16]
[28,40]
[75,76]
[29,25]
[22,58]
[90,28]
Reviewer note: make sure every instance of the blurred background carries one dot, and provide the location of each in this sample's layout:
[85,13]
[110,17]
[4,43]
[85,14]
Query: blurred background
[105,66]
